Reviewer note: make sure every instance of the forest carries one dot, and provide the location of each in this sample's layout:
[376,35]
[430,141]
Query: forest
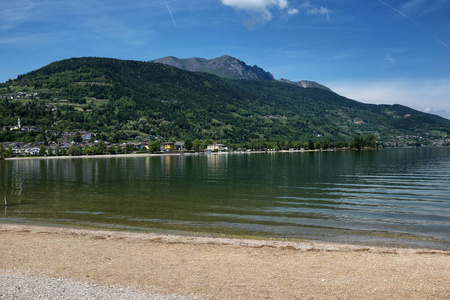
[120,100]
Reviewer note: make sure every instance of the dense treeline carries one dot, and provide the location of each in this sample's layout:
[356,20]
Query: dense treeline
[122,99]
[359,142]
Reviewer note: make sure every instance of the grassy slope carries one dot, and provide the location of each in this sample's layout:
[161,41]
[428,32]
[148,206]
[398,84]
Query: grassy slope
[150,98]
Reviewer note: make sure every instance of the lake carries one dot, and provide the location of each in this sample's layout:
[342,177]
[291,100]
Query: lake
[397,197]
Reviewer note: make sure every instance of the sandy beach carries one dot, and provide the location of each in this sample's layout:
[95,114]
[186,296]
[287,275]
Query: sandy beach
[222,268]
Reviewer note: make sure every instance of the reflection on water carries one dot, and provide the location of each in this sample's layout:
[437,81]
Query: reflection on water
[395,196]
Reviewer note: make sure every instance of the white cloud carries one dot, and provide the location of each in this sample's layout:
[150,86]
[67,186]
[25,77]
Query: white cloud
[259,10]
[305,4]
[283,4]
[319,11]
[315,10]
[432,96]
[255,5]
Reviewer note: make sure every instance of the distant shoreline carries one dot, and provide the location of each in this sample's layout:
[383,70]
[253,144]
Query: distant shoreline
[159,154]
[92,156]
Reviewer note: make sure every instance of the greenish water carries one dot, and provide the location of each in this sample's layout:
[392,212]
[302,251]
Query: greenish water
[389,197]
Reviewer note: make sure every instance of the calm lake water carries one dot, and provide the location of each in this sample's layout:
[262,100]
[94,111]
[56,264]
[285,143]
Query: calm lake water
[389,197]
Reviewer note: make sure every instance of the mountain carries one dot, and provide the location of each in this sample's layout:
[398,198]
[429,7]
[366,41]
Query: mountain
[121,99]
[229,67]
[224,66]
[305,84]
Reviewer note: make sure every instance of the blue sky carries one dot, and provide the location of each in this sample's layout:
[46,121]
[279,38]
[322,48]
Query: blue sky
[373,51]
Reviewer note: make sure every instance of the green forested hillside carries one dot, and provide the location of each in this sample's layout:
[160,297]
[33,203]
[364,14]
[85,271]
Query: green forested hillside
[121,99]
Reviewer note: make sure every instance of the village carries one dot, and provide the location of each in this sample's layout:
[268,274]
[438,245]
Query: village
[82,142]
[88,145]
[18,149]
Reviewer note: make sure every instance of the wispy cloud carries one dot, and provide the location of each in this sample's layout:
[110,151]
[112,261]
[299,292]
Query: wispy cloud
[320,11]
[423,7]
[413,21]
[413,4]
[11,14]
[52,21]
[25,40]
[315,10]
[170,12]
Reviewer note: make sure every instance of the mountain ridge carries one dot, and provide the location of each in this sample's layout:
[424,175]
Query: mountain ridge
[120,99]
[230,67]
[224,66]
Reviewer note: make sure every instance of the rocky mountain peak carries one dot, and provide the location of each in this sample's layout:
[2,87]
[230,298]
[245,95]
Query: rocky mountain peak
[229,67]
[305,84]
[223,66]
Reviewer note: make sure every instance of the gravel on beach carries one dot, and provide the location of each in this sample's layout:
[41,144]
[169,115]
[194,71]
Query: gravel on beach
[22,286]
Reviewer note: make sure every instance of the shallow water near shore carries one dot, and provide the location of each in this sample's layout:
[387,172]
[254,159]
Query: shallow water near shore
[395,197]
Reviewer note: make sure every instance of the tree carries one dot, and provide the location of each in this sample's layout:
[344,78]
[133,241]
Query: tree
[100,148]
[129,148]
[197,144]
[42,151]
[358,142]
[111,149]
[298,145]
[155,146]
[289,145]
[371,140]
[9,152]
[2,151]
[88,150]
[74,150]
[188,144]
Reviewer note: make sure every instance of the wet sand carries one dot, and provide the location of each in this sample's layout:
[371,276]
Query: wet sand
[220,268]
